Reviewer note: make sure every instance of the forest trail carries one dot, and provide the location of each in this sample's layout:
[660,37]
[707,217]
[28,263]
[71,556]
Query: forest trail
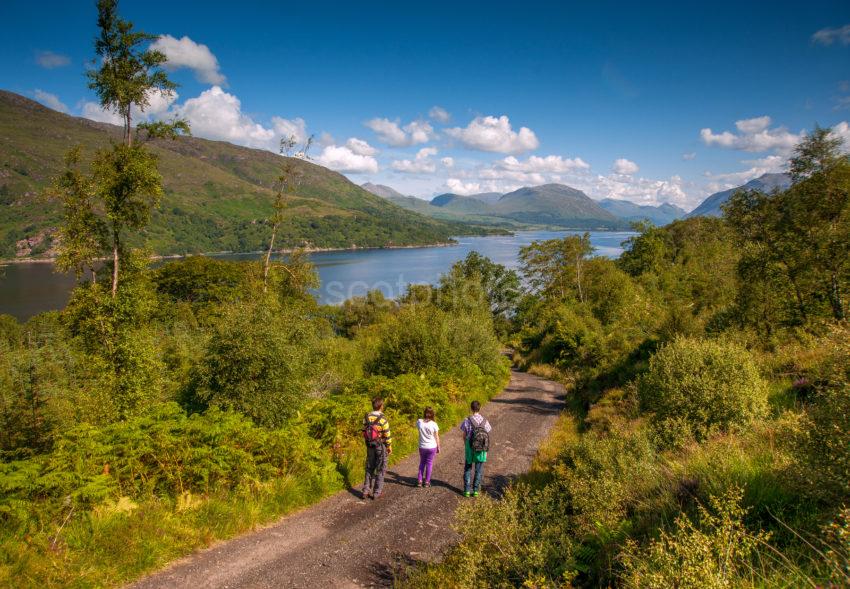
[345,541]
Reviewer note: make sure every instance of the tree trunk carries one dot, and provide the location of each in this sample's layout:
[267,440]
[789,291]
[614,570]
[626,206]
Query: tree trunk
[128,137]
[578,279]
[268,259]
[114,263]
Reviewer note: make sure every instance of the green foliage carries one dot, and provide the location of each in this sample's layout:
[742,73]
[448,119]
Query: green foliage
[713,552]
[128,75]
[553,268]
[421,338]
[84,233]
[115,335]
[357,313]
[500,285]
[824,438]
[259,361]
[838,549]
[797,242]
[201,280]
[11,332]
[696,388]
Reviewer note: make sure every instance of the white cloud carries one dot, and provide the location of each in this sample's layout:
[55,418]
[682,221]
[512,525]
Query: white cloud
[494,134]
[689,156]
[419,132]
[842,131]
[550,163]
[391,133]
[625,167]
[50,100]
[422,164]
[342,159]
[186,53]
[754,125]
[325,139]
[94,112]
[758,167]
[511,173]
[448,162]
[50,60]
[290,128]
[439,114]
[754,135]
[458,186]
[360,147]
[775,163]
[388,132]
[830,36]
[215,114]
[644,191]
[158,103]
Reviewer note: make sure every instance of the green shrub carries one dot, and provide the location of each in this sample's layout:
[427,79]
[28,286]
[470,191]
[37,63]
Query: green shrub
[712,552]
[201,280]
[11,332]
[824,442]
[259,360]
[695,388]
[421,338]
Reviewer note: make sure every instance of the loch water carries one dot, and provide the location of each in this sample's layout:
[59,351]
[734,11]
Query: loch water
[32,288]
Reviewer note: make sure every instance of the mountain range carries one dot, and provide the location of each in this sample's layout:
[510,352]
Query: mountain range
[563,206]
[217,195]
[767,183]
[658,215]
[554,205]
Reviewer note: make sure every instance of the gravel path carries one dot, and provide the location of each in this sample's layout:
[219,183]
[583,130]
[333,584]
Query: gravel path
[345,541]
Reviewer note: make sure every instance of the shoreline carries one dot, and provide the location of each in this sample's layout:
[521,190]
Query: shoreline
[289,250]
[315,250]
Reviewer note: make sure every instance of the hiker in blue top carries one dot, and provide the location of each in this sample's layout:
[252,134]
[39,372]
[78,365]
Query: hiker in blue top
[476,436]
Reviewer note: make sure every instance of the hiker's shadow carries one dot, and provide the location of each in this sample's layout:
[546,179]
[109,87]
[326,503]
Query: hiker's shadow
[397,479]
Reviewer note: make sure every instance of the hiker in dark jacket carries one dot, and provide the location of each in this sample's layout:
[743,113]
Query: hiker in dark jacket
[379,445]
[476,436]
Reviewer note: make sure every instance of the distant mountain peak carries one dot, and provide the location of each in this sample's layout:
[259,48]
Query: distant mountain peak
[381,190]
[556,204]
[659,215]
[711,206]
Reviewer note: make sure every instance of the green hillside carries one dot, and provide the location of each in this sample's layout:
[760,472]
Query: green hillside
[217,195]
[556,204]
[462,204]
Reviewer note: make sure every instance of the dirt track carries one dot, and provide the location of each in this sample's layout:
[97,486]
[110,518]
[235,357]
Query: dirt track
[345,541]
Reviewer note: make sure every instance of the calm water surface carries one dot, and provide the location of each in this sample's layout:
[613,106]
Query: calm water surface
[28,289]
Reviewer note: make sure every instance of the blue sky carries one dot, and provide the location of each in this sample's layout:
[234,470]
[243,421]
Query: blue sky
[655,103]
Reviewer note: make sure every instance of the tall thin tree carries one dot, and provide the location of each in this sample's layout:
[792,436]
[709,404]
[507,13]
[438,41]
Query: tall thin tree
[128,77]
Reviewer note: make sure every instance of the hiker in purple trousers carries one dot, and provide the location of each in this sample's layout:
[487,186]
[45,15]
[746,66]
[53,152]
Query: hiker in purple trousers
[429,446]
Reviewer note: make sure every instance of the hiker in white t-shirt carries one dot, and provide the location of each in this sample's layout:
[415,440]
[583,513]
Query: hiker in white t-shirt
[429,445]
